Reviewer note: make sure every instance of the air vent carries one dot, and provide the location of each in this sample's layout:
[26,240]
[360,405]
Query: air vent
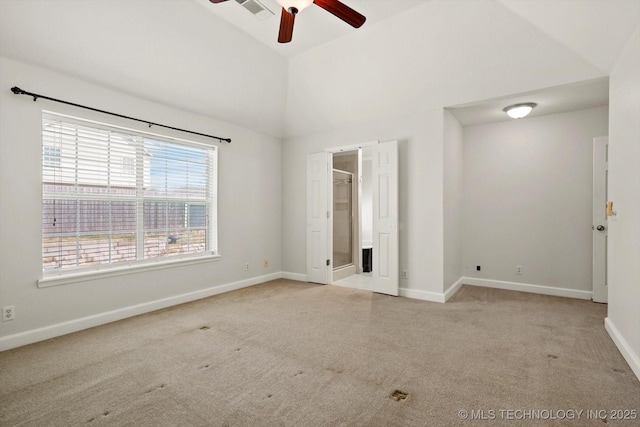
[258,10]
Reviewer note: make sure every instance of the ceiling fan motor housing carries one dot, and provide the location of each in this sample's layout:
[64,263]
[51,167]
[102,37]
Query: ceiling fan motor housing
[290,8]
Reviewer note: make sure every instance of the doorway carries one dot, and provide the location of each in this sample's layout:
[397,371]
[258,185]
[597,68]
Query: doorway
[347,215]
[342,219]
[374,229]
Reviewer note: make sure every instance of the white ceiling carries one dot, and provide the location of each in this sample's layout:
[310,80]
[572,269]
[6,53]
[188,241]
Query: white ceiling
[571,97]
[170,51]
[313,26]
[410,55]
[588,27]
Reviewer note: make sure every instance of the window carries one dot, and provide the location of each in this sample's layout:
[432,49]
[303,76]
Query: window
[50,157]
[114,197]
[128,166]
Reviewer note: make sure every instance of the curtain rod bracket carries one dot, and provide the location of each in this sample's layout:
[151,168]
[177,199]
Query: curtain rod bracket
[17,91]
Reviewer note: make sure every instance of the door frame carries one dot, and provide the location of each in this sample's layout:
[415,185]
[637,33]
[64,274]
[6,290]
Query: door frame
[333,150]
[600,219]
[386,283]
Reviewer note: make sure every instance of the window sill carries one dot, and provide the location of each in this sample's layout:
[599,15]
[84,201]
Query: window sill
[68,278]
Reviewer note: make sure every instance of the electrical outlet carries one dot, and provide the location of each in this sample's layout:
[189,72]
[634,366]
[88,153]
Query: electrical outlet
[478,268]
[266,263]
[8,313]
[246,267]
[519,270]
[405,274]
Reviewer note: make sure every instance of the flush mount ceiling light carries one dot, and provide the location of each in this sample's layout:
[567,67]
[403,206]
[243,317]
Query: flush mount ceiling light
[518,111]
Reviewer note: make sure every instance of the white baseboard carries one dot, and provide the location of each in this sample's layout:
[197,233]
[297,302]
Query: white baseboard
[47,332]
[422,295]
[524,287]
[294,276]
[625,349]
[432,296]
[453,289]
[29,337]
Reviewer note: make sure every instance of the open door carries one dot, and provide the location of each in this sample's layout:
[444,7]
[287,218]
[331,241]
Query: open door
[385,218]
[318,267]
[600,290]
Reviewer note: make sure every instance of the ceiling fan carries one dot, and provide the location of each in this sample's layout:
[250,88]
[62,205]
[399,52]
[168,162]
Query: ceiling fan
[290,8]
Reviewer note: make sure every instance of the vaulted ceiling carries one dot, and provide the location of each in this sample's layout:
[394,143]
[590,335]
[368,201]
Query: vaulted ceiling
[410,55]
[313,26]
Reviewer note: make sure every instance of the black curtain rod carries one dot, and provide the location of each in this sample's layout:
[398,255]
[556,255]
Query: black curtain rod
[16,90]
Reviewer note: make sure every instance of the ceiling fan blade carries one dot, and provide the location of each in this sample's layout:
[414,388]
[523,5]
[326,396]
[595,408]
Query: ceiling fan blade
[286,26]
[342,11]
[217,1]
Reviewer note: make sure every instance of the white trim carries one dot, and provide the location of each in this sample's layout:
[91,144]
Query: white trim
[343,272]
[52,331]
[421,295]
[525,287]
[110,271]
[351,147]
[433,296]
[625,349]
[453,289]
[294,276]
[47,332]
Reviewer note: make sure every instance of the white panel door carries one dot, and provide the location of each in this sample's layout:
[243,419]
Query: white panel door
[385,218]
[600,290]
[318,218]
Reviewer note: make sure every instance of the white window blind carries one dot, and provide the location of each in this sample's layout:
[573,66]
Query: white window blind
[118,197]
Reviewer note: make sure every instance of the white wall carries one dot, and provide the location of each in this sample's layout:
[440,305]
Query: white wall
[174,52]
[528,199]
[391,81]
[420,179]
[249,205]
[623,321]
[453,199]
[386,81]
[440,54]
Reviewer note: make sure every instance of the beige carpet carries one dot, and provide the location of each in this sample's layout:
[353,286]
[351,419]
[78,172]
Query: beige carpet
[289,353]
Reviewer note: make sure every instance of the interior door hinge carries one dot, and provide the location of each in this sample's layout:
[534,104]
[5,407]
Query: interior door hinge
[328,214]
[328,262]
